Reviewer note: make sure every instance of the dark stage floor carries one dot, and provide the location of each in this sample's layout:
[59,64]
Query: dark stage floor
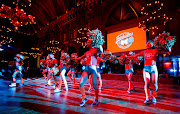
[34,98]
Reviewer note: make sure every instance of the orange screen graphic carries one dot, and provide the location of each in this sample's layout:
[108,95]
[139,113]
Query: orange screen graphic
[126,40]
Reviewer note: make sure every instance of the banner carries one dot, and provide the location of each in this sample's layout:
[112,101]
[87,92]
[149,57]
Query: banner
[126,40]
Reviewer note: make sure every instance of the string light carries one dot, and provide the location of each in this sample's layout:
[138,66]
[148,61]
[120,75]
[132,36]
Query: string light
[3,28]
[35,48]
[5,40]
[16,16]
[53,48]
[154,20]
[34,54]
[82,38]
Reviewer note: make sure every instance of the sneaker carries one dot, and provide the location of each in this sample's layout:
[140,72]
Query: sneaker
[21,85]
[95,102]
[154,100]
[12,85]
[66,89]
[128,91]
[47,85]
[83,102]
[147,101]
[55,86]
[90,89]
[57,90]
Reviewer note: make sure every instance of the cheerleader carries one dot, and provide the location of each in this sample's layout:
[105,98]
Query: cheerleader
[52,70]
[99,59]
[45,71]
[71,71]
[18,71]
[129,73]
[43,65]
[64,60]
[94,42]
[150,70]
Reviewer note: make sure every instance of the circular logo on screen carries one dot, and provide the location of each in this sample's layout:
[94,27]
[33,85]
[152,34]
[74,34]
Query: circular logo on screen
[124,40]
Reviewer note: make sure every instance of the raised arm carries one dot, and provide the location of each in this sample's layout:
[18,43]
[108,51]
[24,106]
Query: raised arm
[79,58]
[135,55]
[162,51]
[102,60]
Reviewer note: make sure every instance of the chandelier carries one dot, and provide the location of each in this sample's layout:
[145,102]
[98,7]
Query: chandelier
[155,18]
[82,36]
[5,40]
[53,48]
[17,17]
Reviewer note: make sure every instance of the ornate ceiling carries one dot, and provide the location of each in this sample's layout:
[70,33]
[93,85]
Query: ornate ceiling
[46,11]
[125,10]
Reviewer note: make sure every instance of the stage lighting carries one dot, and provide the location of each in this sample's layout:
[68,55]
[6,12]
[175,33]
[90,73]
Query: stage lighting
[173,70]
[1,49]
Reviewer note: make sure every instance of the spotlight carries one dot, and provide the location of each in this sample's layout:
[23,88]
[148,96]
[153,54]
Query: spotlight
[173,70]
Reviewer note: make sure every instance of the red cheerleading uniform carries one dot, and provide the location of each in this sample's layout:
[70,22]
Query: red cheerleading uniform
[99,59]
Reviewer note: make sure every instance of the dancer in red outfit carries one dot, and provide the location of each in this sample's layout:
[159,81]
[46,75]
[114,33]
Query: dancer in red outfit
[45,71]
[18,71]
[150,67]
[43,66]
[64,60]
[99,59]
[72,67]
[95,41]
[129,73]
[52,68]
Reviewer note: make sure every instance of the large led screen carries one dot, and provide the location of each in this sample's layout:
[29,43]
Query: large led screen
[126,40]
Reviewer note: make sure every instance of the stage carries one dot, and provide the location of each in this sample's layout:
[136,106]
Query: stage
[34,97]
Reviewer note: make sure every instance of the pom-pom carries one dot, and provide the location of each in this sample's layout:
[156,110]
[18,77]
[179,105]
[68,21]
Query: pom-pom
[137,60]
[65,58]
[73,56]
[164,41]
[121,59]
[107,54]
[96,38]
[113,59]
[83,61]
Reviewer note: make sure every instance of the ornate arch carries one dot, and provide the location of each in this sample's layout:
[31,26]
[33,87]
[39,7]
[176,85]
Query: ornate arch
[122,11]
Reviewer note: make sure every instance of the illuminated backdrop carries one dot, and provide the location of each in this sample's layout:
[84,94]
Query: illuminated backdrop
[126,40]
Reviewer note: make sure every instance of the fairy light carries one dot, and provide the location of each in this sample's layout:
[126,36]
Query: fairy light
[5,40]
[53,48]
[152,11]
[82,39]
[35,55]
[16,16]
[3,28]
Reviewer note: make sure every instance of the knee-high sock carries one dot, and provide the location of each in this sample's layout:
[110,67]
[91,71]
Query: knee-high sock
[146,76]
[100,83]
[22,81]
[154,94]
[14,80]
[69,75]
[96,94]
[147,92]
[49,82]
[100,80]
[82,90]
[60,83]
[64,78]
[73,76]
[90,81]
